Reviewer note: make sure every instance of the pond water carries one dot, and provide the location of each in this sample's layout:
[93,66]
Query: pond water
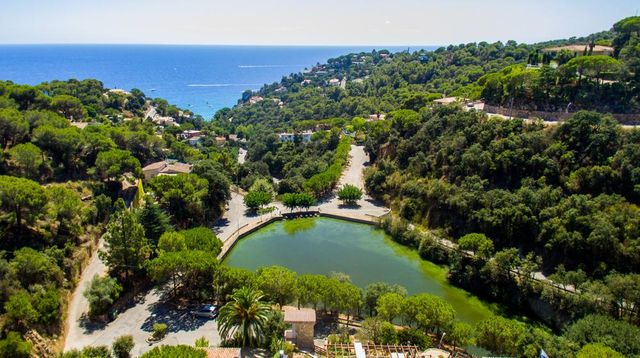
[364,252]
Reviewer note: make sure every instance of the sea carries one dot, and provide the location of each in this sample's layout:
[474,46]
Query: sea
[202,79]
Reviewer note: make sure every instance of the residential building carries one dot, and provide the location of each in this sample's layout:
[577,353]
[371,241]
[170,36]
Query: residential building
[190,134]
[165,167]
[302,323]
[290,137]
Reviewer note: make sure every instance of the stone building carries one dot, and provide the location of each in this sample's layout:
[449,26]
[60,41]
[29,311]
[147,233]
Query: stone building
[302,323]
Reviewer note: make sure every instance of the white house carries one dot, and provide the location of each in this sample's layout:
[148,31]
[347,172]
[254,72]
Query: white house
[290,137]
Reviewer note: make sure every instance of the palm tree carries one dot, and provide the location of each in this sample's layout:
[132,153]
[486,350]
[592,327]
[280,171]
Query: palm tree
[244,317]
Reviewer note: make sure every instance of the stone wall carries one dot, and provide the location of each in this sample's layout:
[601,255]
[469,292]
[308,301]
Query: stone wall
[623,118]
[304,332]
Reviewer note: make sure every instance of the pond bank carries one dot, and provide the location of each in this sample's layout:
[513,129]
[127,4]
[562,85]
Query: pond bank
[321,245]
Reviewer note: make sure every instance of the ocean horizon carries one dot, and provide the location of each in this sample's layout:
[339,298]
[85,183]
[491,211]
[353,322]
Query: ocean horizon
[201,78]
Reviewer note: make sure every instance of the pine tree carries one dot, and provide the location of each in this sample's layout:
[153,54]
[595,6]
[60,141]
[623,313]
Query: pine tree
[126,247]
[154,220]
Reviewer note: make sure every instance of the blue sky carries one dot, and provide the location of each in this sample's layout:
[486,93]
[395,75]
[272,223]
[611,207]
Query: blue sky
[304,22]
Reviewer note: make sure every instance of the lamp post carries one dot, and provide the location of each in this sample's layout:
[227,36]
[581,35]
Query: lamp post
[441,338]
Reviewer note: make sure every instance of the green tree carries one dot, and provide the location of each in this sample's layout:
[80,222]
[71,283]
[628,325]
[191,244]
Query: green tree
[126,247]
[350,194]
[597,350]
[460,335]
[14,346]
[122,346]
[183,197]
[203,239]
[13,127]
[621,336]
[102,293]
[309,289]
[278,284]
[110,165]
[154,220]
[298,200]
[19,310]
[376,290]
[478,243]
[22,198]
[185,270]
[378,331]
[257,199]
[428,312]
[244,318]
[389,306]
[218,190]
[500,335]
[27,159]
[68,106]
[35,268]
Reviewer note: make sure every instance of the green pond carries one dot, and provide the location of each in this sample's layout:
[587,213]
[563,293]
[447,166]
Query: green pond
[364,252]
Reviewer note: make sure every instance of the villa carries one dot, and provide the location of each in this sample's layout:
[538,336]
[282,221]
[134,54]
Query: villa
[290,137]
[165,167]
[193,141]
[190,134]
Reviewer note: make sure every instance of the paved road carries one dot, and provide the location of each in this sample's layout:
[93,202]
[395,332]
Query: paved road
[78,305]
[353,174]
[138,321]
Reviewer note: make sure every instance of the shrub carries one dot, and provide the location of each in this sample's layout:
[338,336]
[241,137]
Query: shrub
[88,352]
[181,351]
[202,238]
[413,337]
[202,342]
[102,293]
[122,346]
[256,199]
[159,330]
[15,346]
[350,194]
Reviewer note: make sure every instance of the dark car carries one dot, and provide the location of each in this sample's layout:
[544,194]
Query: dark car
[206,311]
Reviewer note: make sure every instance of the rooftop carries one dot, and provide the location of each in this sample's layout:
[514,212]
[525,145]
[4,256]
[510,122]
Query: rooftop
[220,352]
[293,314]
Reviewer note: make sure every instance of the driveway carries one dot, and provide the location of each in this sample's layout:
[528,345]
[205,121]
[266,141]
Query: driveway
[138,320]
[354,175]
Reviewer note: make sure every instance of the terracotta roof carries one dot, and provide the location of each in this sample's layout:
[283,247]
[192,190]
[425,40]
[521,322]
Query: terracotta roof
[219,352]
[293,314]
[156,165]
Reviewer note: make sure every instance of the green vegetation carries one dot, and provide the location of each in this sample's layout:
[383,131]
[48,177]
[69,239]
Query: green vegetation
[350,194]
[102,293]
[244,318]
[181,351]
[122,346]
[70,149]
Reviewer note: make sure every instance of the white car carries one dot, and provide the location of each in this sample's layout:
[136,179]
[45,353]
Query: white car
[206,311]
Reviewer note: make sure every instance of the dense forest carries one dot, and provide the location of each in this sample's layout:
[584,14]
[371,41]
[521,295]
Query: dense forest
[69,152]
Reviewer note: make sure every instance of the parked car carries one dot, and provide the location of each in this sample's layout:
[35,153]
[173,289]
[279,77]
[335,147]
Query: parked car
[206,311]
